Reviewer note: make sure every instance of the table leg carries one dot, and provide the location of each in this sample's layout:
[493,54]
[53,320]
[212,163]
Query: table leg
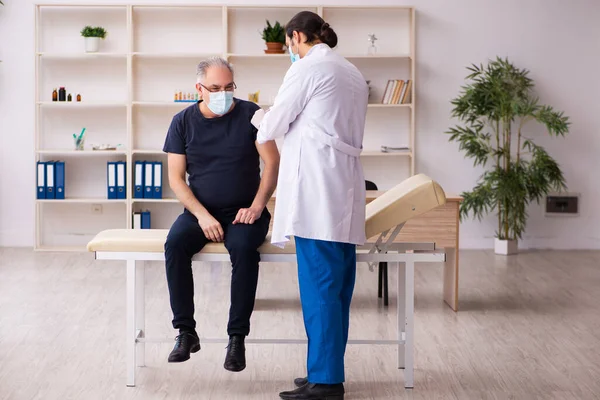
[131,322]
[401,311]
[140,313]
[451,278]
[410,328]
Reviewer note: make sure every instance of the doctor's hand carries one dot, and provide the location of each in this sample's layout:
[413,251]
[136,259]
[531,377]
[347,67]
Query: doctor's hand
[247,215]
[211,227]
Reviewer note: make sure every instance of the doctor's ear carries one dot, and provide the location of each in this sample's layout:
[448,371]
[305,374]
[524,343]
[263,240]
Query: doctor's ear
[295,38]
[199,90]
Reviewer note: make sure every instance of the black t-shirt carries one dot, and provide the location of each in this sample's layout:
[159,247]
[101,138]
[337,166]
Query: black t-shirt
[222,160]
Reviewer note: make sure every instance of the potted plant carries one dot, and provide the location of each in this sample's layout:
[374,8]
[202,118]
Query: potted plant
[495,107]
[92,37]
[274,37]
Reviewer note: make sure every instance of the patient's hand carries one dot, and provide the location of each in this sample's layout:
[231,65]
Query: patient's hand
[211,227]
[247,215]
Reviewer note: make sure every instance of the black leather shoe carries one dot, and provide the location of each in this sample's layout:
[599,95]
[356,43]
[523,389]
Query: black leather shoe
[235,360]
[315,391]
[185,343]
[299,382]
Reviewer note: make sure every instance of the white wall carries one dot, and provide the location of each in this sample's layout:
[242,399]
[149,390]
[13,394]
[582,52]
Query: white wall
[556,40]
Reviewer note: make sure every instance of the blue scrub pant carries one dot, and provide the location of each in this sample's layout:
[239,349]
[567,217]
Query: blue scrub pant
[326,275]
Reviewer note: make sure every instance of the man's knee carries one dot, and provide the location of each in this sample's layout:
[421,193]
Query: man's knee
[177,244]
[242,246]
[173,242]
[244,243]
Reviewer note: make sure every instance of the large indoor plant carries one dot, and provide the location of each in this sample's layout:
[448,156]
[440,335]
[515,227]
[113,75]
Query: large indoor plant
[274,37]
[494,108]
[92,37]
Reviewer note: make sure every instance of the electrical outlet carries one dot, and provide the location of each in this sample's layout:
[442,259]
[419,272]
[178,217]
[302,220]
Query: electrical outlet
[96,208]
[564,204]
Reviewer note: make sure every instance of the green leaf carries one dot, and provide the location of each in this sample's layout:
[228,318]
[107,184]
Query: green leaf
[471,139]
[556,123]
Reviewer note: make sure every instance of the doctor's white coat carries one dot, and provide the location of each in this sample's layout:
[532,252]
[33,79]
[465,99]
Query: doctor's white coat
[320,111]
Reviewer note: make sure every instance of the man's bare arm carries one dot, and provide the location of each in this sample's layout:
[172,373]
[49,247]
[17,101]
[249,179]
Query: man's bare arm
[270,155]
[210,226]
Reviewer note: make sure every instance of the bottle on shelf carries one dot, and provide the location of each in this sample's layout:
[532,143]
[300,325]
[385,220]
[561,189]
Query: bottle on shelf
[55,95]
[69,97]
[78,97]
[62,94]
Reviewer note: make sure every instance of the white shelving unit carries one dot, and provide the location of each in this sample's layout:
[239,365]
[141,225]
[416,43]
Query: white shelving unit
[150,52]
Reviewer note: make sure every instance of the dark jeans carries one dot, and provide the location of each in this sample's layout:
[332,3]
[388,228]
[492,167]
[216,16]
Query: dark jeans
[241,240]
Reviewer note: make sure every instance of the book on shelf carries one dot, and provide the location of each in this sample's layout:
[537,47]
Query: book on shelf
[116,180]
[397,91]
[148,180]
[398,149]
[141,220]
[51,180]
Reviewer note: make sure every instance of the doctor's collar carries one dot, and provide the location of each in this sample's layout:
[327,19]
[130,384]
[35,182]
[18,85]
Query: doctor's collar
[318,45]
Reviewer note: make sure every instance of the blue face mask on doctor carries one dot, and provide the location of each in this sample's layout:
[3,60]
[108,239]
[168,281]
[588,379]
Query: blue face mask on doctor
[293,57]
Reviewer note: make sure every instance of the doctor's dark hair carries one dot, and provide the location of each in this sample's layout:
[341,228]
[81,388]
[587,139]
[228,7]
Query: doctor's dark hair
[313,26]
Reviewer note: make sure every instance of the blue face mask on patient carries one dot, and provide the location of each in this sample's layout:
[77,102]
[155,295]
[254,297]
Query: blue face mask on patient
[220,102]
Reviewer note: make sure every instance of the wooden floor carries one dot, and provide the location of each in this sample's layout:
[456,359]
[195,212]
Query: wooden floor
[529,328]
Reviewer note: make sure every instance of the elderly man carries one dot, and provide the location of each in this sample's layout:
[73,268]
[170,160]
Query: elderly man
[215,143]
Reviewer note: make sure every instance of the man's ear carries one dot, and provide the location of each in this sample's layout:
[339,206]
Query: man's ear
[199,89]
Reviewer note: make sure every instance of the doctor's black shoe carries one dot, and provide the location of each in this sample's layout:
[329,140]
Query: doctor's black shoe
[235,360]
[185,343]
[315,391]
[299,382]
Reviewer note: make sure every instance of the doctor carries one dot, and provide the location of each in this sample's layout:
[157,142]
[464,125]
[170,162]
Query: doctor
[320,111]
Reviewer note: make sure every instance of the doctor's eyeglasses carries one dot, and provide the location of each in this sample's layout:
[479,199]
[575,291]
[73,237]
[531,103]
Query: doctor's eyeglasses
[214,88]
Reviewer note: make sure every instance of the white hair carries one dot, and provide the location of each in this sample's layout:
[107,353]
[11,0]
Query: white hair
[211,62]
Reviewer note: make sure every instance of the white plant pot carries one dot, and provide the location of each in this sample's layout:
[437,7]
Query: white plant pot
[506,247]
[92,44]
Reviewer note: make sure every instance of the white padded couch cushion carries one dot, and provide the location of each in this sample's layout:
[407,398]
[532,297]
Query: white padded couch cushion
[413,197]
[153,241]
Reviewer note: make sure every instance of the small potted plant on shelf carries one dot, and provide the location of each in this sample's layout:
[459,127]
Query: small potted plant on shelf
[494,108]
[92,36]
[274,37]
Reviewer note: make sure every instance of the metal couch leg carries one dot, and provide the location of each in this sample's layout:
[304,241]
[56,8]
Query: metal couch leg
[385,284]
[382,284]
[380,280]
